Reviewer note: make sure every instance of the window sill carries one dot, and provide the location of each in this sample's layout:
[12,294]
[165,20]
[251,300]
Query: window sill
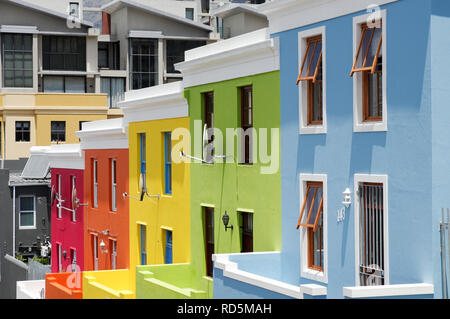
[370,127]
[27,227]
[388,290]
[313,129]
[314,275]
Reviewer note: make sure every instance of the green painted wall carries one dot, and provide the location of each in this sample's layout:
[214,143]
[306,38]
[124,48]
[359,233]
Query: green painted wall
[232,186]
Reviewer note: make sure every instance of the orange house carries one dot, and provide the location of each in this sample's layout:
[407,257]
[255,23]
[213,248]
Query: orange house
[106,235]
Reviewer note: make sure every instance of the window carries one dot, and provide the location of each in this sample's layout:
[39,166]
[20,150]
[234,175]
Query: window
[73,259]
[143,160]
[209,239]
[27,212]
[246,226]
[208,104]
[22,131]
[115,88]
[17,52]
[95,251]
[103,55]
[58,131]
[94,183]
[144,63]
[311,218]
[247,125]
[64,84]
[143,238]
[371,230]
[312,223]
[168,258]
[369,76]
[311,81]
[113,186]
[113,245]
[80,125]
[74,9]
[190,13]
[74,189]
[311,76]
[64,53]
[175,52]
[168,162]
[58,178]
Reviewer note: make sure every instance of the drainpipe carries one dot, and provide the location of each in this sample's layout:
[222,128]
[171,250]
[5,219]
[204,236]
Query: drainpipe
[14,221]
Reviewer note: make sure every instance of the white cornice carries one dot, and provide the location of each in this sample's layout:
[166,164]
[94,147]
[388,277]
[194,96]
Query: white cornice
[68,156]
[290,14]
[249,54]
[103,134]
[155,103]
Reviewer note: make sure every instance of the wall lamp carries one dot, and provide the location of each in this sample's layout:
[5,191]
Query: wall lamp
[226,220]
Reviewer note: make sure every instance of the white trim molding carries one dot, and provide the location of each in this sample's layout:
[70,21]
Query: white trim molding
[68,156]
[303,89]
[369,178]
[305,272]
[248,54]
[358,124]
[313,290]
[103,134]
[388,290]
[230,270]
[155,103]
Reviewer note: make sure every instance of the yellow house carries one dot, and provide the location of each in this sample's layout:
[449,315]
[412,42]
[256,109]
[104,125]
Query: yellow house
[159,184]
[42,119]
[160,222]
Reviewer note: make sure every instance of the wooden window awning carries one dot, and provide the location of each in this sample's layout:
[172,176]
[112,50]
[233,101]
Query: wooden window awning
[314,201]
[311,60]
[368,50]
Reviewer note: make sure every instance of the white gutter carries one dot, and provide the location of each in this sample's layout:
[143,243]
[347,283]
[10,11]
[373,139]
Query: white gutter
[14,221]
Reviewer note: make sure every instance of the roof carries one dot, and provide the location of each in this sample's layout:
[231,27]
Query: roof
[16,179]
[38,164]
[48,11]
[230,9]
[103,134]
[119,4]
[68,156]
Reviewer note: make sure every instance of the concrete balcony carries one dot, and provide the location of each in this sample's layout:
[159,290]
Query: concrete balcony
[108,284]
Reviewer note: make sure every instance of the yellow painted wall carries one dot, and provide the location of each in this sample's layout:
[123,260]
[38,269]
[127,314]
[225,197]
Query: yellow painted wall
[111,284]
[43,126]
[171,211]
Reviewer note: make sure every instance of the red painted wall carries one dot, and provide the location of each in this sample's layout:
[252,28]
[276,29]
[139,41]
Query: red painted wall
[64,231]
[103,218]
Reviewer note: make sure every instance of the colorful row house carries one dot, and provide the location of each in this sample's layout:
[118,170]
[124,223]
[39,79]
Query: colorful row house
[362,154]
[226,186]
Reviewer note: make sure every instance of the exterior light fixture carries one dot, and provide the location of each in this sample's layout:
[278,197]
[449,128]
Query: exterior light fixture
[102,245]
[226,220]
[347,197]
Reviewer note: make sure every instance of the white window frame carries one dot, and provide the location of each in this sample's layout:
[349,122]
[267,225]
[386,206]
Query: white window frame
[28,211]
[95,182]
[303,89]
[380,179]
[74,185]
[305,271]
[59,248]
[95,252]
[58,180]
[113,185]
[113,254]
[74,265]
[358,124]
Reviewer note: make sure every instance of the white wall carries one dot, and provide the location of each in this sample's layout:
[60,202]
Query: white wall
[30,289]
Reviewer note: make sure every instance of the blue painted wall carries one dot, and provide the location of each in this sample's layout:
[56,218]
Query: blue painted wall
[414,152]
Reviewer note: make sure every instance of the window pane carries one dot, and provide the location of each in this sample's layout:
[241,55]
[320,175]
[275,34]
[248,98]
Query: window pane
[54,84]
[309,56]
[75,84]
[26,203]
[315,59]
[316,204]
[373,48]
[9,41]
[26,219]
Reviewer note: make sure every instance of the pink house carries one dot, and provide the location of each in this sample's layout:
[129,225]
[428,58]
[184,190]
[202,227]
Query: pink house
[67,213]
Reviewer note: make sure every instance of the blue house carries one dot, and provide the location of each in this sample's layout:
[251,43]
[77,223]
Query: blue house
[365,116]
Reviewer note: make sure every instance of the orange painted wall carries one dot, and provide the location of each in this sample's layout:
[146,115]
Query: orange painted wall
[103,218]
[57,286]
